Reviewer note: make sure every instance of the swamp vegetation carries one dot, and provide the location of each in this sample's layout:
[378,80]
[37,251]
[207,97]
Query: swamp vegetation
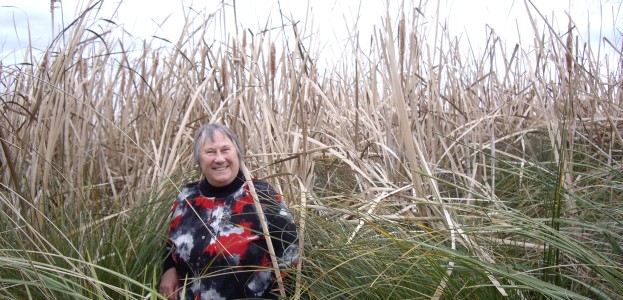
[413,170]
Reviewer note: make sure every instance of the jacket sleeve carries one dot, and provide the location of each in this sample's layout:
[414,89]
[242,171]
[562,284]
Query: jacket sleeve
[281,225]
[168,261]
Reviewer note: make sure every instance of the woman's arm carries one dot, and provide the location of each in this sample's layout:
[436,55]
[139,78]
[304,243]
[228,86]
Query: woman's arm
[281,225]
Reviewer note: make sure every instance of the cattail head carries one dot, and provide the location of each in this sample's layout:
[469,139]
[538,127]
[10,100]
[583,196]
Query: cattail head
[234,50]
[224,73]
[154,63]
[44,62]
[244,46]
[568,55]
[82,68]
[272,60]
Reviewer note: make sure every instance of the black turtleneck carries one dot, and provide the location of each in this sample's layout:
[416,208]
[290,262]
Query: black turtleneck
[208,190]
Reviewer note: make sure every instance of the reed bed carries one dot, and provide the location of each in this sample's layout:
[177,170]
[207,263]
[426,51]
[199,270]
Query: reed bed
[413,171]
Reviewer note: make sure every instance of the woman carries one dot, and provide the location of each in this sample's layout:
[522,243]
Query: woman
[216,247]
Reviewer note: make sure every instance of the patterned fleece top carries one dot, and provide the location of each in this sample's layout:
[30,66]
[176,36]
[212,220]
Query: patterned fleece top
[217,245]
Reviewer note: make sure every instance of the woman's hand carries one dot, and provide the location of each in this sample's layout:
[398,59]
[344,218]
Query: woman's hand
[169,284]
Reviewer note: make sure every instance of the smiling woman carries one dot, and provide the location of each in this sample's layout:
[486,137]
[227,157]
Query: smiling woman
[217,247]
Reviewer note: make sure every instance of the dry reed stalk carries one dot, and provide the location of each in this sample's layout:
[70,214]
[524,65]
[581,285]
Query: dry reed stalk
[374,205]
[267,236]
[302,232]
[509,242]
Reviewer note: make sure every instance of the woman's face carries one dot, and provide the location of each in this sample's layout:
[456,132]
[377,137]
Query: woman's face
[218,160]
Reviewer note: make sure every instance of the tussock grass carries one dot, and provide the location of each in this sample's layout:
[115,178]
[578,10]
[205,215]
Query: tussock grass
[414,172]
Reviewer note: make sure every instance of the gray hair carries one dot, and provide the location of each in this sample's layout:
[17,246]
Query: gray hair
[207,131]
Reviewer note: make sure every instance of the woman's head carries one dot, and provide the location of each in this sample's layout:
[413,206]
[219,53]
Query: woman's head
[218,153]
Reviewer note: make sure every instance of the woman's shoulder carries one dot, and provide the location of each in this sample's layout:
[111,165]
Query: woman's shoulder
[261,184]
[266,193]
[263,187]
[189,191]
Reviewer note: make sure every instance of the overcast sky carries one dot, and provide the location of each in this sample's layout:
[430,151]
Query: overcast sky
[24,19]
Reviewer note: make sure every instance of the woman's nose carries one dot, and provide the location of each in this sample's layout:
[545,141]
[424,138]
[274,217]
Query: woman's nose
[218,156]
